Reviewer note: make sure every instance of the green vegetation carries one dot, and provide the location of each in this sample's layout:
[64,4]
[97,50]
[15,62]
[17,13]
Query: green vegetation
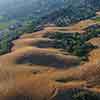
[6,24]
[84,95]
[74,43]
[97,19]
[92,32]
[29,26]
[6,41]
[5,44]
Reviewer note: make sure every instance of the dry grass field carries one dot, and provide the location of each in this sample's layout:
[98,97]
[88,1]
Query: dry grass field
[35,70]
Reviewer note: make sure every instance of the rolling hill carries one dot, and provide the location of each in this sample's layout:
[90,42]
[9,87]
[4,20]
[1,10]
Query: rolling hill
[36,70]
[60,60]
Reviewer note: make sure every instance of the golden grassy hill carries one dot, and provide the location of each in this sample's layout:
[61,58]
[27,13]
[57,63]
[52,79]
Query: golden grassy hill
[36,42]
[38,56]
[79,27]
[35,70]
[38,34]
[94,56]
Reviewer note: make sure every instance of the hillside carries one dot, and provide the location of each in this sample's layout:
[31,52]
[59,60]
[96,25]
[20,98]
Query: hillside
[14,15]
[38,68]
[36,9]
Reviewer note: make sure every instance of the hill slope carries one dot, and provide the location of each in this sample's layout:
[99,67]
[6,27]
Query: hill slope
[34,71]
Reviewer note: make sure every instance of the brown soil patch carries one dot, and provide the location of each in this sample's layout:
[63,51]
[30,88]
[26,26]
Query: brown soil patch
[98,13]
[36,42]
[94,56]
[95,41]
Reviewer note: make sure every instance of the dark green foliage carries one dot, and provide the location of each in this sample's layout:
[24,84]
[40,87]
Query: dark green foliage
[6,41]
[29,27]
[68,15]
[5,44]
[84,95]
[82,49]
[77,94]
[73,43]
[93,32]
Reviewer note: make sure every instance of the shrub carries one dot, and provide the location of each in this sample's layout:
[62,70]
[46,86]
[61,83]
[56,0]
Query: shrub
[6,41]
[73,43]
[84,95]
